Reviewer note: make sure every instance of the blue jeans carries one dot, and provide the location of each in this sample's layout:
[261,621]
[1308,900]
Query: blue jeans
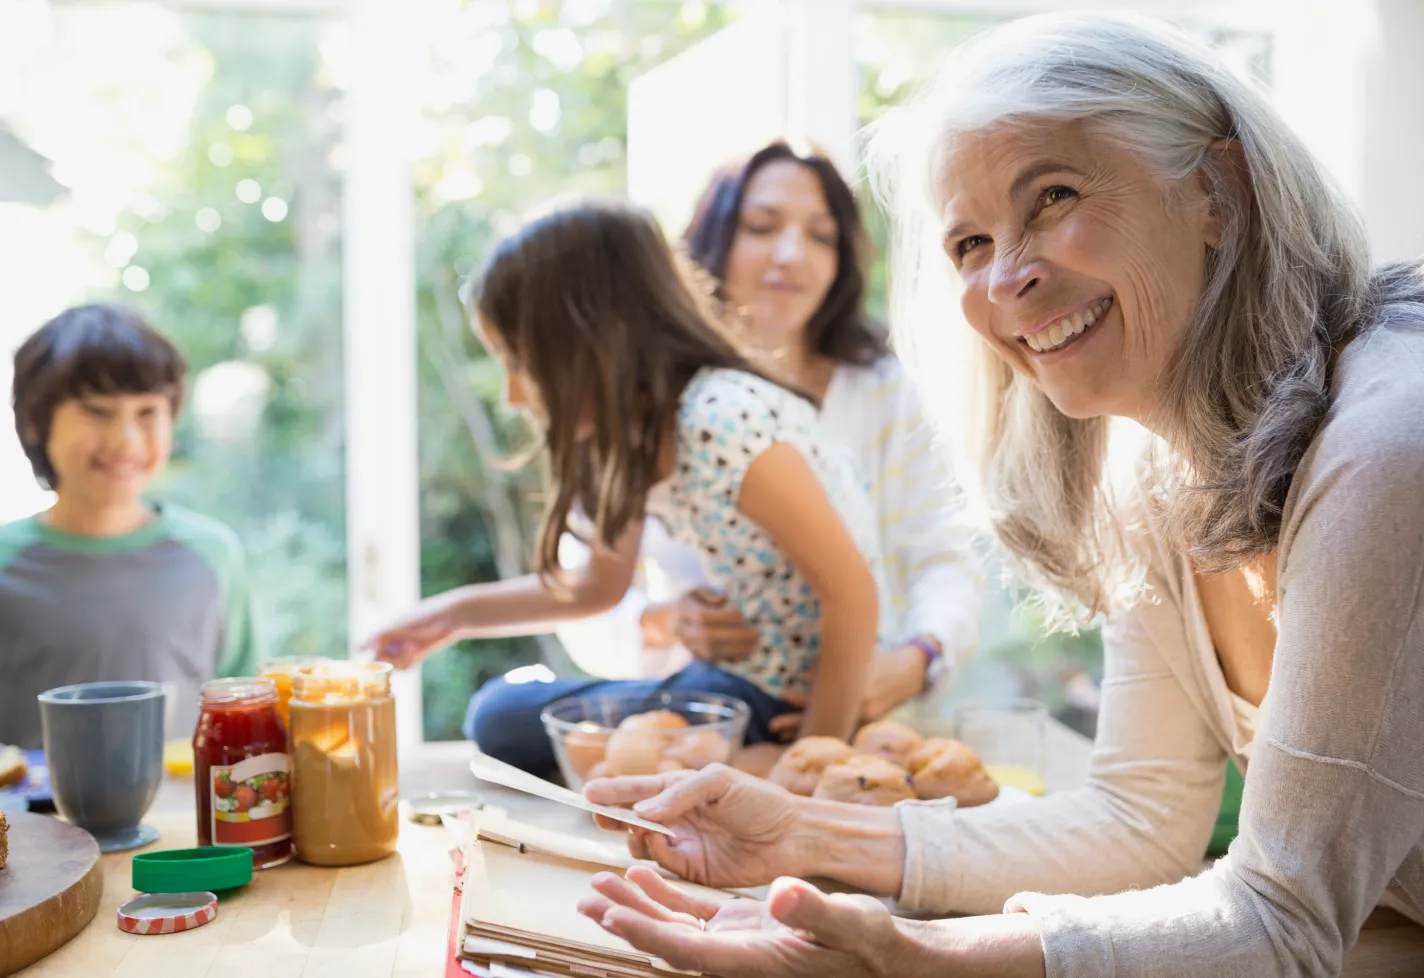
[503,717]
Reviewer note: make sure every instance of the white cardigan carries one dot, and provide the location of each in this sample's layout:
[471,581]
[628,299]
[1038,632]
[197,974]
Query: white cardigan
[875,413]
[1332,821]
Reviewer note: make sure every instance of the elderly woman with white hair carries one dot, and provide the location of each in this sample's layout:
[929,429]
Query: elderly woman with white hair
[1132,232]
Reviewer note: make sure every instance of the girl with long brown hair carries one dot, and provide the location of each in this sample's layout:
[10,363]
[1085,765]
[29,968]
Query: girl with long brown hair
[647,406]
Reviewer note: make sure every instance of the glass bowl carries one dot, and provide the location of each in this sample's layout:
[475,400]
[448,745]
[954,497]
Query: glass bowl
[604,734]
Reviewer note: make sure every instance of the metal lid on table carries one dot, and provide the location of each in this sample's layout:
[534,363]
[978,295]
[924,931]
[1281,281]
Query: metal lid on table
[167,913]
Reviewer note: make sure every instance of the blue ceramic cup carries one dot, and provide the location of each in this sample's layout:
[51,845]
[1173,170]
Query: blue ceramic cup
[104,748]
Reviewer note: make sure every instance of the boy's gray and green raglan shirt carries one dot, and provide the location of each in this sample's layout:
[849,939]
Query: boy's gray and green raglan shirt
[169,602]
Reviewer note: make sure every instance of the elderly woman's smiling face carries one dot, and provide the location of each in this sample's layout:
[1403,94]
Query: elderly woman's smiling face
[1081,266]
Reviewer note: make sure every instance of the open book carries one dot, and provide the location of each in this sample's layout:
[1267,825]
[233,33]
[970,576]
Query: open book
[519,909]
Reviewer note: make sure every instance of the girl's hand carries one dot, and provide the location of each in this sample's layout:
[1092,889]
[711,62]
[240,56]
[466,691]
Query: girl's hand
[729,828]
[429,627]
[710,630]
[797,931]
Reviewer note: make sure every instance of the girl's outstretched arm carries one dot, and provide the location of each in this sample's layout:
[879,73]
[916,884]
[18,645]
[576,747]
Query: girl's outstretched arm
[517,606]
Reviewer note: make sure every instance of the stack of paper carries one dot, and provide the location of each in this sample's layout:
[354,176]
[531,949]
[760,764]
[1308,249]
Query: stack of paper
[522,885]
[520,911]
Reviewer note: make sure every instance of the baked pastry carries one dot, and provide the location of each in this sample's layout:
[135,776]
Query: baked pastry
[634,751]
[4,839]
[926,752]
[696,749]
[893,741]
[799,769]
[865,780]
[12,766]
[584,749]
[654,720]
[954,771]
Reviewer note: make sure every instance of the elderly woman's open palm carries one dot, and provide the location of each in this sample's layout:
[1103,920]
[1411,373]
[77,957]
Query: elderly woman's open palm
[798,931]
[730,829]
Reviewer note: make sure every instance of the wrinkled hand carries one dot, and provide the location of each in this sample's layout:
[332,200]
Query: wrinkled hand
[896,677]
[729,828]
[797,931]
[712,631]
[427,629]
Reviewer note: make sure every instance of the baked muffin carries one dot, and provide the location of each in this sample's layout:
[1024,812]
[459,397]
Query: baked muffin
[926,752]
[893,741]
[654,720]
[4,839]
[954,771]
[696,749]
[865,780]
[799,769]
[633,751]
[584,749]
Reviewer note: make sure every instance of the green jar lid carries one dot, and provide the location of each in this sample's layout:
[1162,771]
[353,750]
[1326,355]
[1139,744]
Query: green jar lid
[189,870]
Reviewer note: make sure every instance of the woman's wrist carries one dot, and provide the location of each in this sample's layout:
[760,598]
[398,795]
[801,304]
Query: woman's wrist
[1001,946]
[931,660]
[859,845]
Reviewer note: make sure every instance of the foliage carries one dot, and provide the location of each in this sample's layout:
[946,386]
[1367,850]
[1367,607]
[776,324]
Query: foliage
[281,486]
[496,155]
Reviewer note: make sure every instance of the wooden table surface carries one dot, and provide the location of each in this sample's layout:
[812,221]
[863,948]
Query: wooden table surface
[388,919]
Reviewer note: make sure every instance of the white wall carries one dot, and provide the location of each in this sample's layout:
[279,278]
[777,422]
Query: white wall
[1350,77]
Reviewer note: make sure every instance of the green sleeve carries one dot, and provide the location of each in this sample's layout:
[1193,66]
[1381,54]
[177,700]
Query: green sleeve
[220,547]
[242,651]
[15,537]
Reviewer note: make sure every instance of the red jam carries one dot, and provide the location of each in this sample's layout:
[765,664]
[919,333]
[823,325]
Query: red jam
[242,771]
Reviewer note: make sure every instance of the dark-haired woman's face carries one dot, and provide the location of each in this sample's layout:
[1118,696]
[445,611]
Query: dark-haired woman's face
[783,259]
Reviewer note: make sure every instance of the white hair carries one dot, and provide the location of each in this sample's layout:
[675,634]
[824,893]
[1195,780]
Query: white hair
[1245,391]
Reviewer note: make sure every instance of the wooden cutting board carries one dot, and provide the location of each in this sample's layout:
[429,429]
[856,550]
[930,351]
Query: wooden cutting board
[49,890]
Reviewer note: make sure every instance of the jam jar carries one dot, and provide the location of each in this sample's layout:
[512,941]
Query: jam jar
[242,771]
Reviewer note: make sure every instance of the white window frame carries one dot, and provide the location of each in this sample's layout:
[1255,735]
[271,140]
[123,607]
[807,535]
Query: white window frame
[379,334]
[382,458]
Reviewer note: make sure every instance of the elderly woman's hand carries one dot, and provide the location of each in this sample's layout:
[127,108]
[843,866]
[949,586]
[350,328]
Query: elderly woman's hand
[729,828]
[797,931]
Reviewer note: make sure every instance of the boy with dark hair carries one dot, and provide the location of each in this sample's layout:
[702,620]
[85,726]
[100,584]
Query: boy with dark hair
[107,584]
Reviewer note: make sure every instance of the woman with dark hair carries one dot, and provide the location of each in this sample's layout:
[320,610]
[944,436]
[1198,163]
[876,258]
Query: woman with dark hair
[781,233]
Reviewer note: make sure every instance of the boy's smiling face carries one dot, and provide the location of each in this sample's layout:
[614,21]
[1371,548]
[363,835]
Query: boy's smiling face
[107,448]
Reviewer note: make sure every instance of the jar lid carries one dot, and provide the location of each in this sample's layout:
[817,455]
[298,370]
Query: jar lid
[239,691]
[192,870]
[338,682]
[167,913]
[427,809]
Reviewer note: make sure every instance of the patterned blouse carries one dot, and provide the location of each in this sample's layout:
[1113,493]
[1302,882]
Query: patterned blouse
[726,419]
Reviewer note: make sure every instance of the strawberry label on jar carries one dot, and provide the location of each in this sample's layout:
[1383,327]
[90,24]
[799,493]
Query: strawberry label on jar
[252,801]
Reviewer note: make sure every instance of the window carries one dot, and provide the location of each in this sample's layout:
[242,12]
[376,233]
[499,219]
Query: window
[187,162]
[523,102]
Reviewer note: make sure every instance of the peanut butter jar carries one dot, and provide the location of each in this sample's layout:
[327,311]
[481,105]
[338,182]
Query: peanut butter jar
[345,783]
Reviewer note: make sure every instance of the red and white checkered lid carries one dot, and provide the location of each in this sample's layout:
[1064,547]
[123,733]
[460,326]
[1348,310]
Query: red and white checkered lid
[167,913]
